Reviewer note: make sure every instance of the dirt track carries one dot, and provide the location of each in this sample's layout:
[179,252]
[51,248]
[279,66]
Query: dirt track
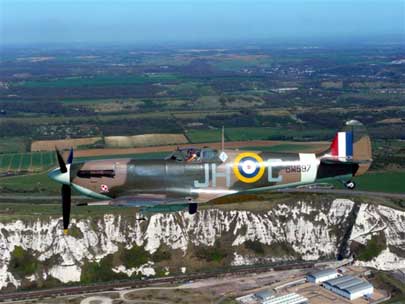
[315,146]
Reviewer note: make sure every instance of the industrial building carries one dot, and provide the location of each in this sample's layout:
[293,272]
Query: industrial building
[263,295]
[291,298]
[322,276]
[349,287]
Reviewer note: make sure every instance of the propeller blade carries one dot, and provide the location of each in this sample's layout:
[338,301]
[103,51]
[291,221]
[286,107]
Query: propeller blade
[66,203]
[61,162]
[70,157]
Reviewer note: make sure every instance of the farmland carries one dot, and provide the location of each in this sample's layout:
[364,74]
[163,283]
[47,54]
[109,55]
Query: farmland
[382,181]
[122,102]
[96,81]
[26,162]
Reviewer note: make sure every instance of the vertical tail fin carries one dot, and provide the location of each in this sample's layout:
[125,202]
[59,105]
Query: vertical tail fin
[342,145]
[351,144]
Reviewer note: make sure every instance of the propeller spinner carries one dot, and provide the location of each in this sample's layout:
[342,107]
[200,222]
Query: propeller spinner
[62,175]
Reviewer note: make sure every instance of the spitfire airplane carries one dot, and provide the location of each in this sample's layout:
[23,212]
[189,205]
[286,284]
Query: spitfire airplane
[191,176]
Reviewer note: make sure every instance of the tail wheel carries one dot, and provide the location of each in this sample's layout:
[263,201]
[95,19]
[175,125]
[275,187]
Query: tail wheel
[350,185]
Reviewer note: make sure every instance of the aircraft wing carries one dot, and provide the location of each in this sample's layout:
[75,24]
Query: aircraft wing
[144,200]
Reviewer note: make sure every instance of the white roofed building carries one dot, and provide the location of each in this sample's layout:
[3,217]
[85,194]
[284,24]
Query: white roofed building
[322,275]
[349,287]
[291,298]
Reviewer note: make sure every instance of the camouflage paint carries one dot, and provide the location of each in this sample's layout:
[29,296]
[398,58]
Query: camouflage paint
[169,181]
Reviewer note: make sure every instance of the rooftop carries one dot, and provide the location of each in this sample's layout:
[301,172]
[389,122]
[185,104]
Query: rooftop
[264,294]
[349,284]
[339,280]
[291,298]
[358,287]
[322,273]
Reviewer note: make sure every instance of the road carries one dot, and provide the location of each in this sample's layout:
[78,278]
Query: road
[21,197]
[345,192]
[180,279]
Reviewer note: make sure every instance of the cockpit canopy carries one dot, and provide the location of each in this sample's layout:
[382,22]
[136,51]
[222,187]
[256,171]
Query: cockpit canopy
[194,154]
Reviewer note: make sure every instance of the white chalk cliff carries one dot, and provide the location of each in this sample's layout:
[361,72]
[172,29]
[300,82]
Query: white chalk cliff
[312,230]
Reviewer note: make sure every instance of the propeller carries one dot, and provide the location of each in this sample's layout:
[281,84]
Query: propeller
[66,193]
[62,165]
[62,175]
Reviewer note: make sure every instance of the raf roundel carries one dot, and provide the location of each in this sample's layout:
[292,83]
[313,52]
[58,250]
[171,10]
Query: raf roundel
[248,167]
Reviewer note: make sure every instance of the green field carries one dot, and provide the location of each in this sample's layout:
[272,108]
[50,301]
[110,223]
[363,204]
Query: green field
[155,155]
[36,159]
[35,183]
[26,162]
[241,134]
[69,82]
[5,160]
[30,161]
[15,161]
[384,182]
[13,144]
[244,134]
[201,136]
[283,148]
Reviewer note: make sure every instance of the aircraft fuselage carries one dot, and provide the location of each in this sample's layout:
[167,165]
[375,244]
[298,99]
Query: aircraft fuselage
[201,180]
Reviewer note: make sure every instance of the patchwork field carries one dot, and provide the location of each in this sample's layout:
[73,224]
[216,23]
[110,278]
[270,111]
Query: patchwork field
[97,81]
[382,181]
[49,145]
[30,161]
[249,134]
[144,140]
[267,145]
[12,144]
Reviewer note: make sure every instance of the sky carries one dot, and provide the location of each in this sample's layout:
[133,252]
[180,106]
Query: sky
[118,21]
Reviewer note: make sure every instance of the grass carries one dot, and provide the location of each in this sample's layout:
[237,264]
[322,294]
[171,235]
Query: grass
[70,82]
[29,211]
[134,257]
[13,144]
[383,280]
[30,183]
[15,162]
[154,155]
[239,134]
[257,133]
[382,182]
[22,262]
[372,249]
[48,159]
[36,159]
[5,161]
[26,162]
[282,148]
[99,272]
[201,136]
[30,161]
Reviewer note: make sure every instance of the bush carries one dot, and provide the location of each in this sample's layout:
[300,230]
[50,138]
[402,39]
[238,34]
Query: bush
[99,272]
[161,254]
[372,249]
[134,257]
[211,254]
[22,262]
[256,246]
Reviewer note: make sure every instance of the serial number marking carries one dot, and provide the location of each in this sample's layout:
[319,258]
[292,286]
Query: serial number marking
[298,168]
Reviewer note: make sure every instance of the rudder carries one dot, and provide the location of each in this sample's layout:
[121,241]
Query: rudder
[352,144]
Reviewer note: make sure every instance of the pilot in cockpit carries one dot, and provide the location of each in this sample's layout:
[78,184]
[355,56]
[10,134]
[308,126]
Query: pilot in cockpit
[192,155]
